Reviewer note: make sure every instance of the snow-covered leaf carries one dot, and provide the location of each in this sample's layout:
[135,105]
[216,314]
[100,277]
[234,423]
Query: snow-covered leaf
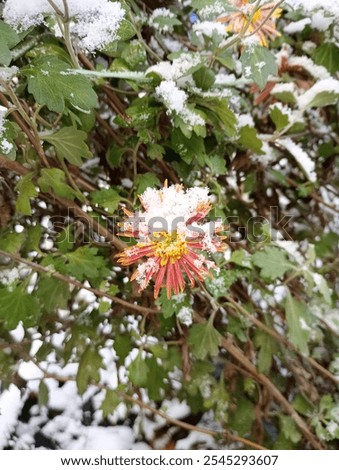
[258,64]
[302,158]
[52,84]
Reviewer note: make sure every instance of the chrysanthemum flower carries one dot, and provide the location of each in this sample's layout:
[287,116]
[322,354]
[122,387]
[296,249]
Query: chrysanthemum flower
[237,20]
[172,243]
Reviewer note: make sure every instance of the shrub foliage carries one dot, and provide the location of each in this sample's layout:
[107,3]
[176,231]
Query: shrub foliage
[173,95]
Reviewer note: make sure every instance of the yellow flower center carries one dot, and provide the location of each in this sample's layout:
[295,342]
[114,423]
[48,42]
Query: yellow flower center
[169,246]
[257,16]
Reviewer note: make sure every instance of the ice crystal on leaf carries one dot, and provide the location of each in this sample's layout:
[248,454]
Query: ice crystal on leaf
[171,240]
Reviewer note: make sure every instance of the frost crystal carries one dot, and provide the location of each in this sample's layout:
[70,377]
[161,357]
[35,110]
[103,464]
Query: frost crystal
[208,28]
[95,22]
[179,67]
[185,316]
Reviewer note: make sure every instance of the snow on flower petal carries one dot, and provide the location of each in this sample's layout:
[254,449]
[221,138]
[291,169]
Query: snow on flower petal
[171,242]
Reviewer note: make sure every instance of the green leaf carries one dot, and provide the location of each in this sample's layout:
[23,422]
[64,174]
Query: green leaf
[204,340]
[297,318]
[321,99]
[241,420]
[226,59]
[26,190]
[126,30]
[33,236]
[12,242]
[108,199]
[52,293]
[241,258]
[165,23]
[267,347]
[89,368]
[327,55]
[167,306]
[43,394]
[16,305]
[155,379]
[138,371]
[122,346]
[248,137]
[204,78]
[134,54]
[221,110]
[110,403]
[84,263]
[220,283]
[272,261]
[8,39]
[69,143]
[52,84]
[280,119]
[7,135]
[155,151]
[217,164]
[53,179]
[258,63]
[190,149]
[289,429]
[146,180]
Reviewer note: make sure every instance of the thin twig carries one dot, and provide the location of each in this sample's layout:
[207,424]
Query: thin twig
[176,422]
[237,353]
[69,280]
[70,206]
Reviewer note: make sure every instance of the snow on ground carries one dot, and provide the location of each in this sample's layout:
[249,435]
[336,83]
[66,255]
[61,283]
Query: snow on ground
[69,421]
[10,407]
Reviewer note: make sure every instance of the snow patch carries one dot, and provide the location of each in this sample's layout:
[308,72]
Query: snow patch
[94,22]
[301,157]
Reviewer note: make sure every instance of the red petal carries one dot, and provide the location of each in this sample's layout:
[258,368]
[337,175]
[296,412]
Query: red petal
[178,273]
[159,280]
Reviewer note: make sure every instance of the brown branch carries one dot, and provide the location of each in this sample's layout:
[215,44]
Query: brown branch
[314,196]
[176,422]
[237,353]
[18,116]
[281,339]
[69,280]
[69,205]
[115,103]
